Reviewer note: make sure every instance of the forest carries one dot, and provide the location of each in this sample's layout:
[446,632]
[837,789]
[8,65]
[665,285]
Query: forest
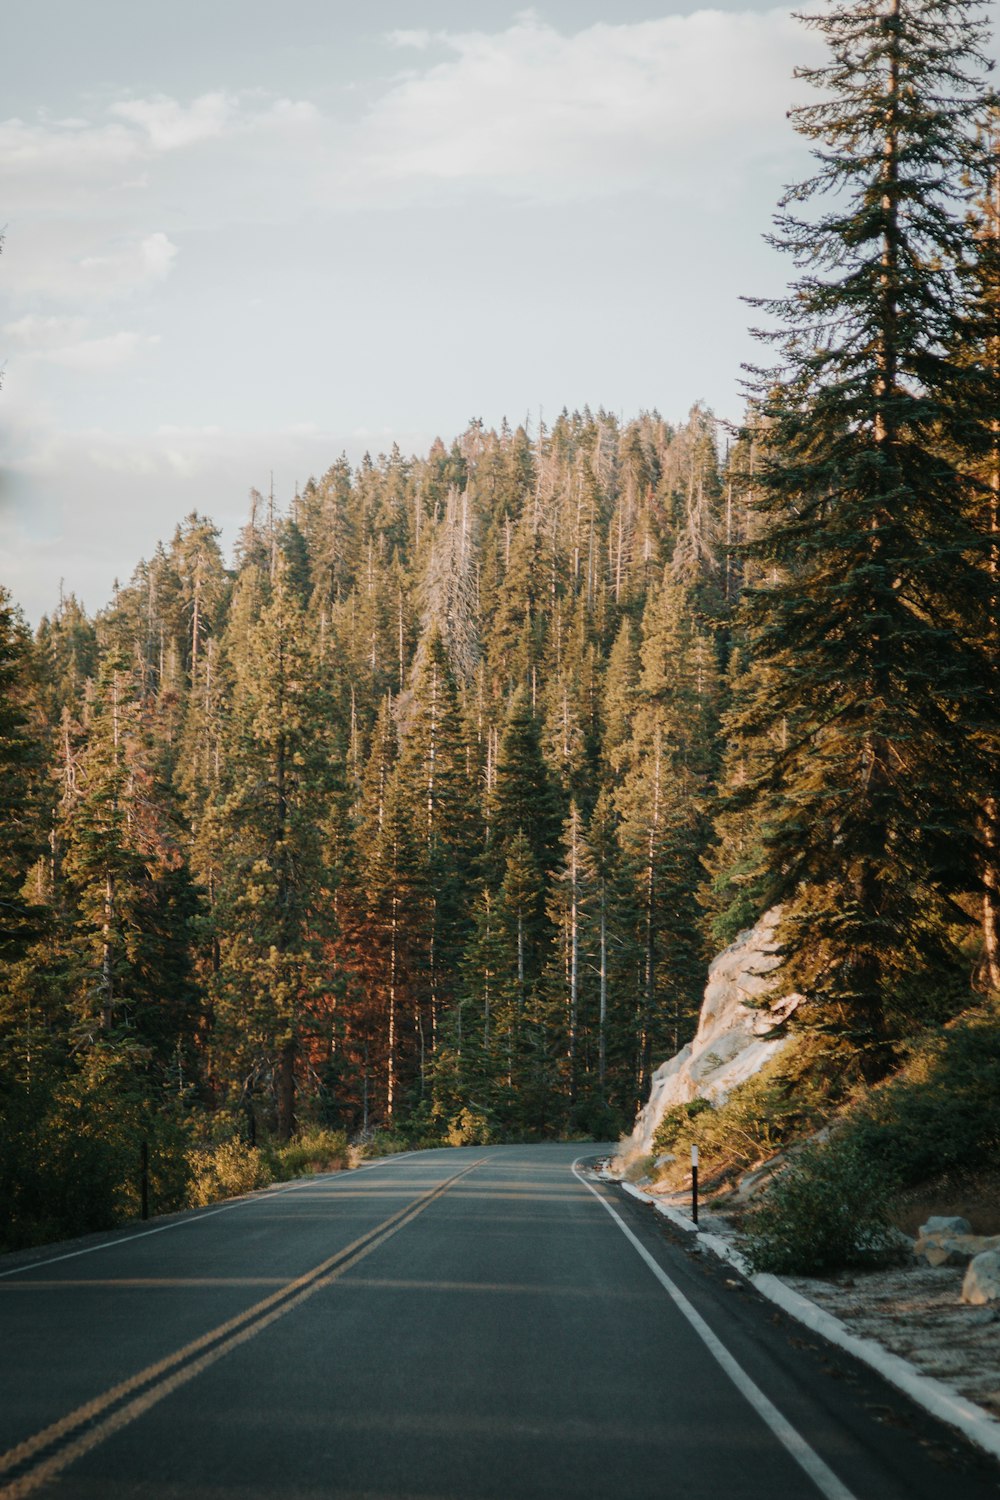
[400,820]
[419,818]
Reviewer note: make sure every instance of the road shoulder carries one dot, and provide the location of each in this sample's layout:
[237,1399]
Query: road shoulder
[938,1397]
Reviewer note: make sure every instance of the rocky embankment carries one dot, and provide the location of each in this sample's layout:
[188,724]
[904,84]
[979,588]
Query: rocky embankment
[740,1028]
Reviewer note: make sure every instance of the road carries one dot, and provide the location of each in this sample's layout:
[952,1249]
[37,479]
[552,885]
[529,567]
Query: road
[475,1324]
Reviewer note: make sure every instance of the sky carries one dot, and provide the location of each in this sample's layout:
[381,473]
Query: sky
[243,237]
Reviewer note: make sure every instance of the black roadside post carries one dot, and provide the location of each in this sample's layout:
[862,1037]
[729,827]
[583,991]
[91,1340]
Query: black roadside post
[144,1178]
[694,1183]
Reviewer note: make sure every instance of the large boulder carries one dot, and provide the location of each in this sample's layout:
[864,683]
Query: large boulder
[947,1240]
[982,1279]
[740,1028]
[945,1224]
[953,1249]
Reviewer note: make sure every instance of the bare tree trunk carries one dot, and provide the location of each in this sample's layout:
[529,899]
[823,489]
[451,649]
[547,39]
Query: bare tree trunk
[991,808]
[602,1018]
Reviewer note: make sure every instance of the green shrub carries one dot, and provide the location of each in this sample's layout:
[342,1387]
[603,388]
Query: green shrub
[789,1096]
[385,1143]
[315,1150]
[225,1171]
[470,1127]
[829,1209]
[676,1120]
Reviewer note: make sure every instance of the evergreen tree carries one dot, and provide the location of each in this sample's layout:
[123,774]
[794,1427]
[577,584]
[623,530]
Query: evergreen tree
[66,650]
[985,500]
[128,895]
[865,625]
[274,904]
[22,828]
[524,799]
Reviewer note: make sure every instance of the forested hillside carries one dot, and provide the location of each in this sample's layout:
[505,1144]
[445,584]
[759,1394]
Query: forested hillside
[423,812]
[398,820]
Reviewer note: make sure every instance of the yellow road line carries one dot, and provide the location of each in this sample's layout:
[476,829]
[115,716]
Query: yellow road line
[177,1369]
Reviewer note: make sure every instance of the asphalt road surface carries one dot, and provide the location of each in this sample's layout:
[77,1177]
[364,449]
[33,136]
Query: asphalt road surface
[477,1324]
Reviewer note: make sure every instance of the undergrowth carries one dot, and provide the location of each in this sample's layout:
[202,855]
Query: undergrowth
[231,1167]
[790,1097]
[837,1202]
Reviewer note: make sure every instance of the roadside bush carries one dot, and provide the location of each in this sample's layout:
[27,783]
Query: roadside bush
[316,1150]
[790,1096]
[225,1171]
[470,1127]
[939,1116]
[386,1143]
[675,1122]
[828,1209]
[70,1150]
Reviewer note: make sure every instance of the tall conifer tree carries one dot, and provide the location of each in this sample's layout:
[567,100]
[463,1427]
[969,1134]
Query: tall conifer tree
[863,625]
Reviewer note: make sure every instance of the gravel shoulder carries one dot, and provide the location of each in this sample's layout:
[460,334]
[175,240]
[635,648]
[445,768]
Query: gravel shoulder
[915,1312]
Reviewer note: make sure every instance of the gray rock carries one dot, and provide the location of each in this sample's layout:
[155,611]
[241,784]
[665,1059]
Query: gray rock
[740,1028]
[945,1224]
[954,1249]
[982,1279]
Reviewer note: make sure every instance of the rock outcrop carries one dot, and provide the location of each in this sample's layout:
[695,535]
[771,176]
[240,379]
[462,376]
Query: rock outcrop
[949,1241]
[982,1279]
[740,1028]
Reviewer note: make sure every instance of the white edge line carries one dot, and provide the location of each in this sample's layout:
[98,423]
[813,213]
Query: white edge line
[273,1191]
[937,1398]
[794,1443]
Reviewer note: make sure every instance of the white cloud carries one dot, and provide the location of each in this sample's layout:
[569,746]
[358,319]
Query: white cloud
[609,107]
[97,355]
[82,264]
[157,255]
[418,39]
[169,125]
[63,147]
[37,334]
[148,259]
[139,129]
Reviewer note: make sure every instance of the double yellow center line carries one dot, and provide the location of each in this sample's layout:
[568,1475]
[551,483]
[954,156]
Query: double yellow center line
[42,1457]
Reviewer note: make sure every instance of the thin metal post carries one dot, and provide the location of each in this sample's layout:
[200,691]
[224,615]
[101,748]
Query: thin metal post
[144,1178]
[694,1183]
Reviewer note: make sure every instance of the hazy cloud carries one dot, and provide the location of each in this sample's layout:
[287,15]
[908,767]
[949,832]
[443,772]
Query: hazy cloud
[96,355]
[60,481]
[609,107]
[79,262]
[169,125]
[418,39]
[40,334]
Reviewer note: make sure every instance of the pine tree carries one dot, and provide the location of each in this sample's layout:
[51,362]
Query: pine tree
[862,626]
[571,899]
[524,799]
[22,828]
[66,649]
[985,500]
[128,894]
[430,782]
[274,905]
